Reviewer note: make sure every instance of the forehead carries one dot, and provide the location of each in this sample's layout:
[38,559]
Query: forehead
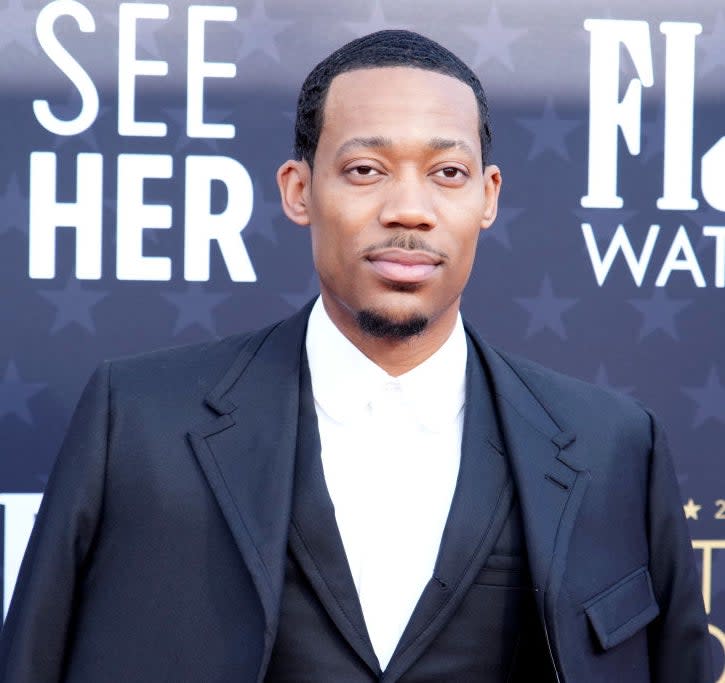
[399,102]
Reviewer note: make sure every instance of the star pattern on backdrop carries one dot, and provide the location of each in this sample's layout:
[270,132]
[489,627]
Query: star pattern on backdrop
[73,304]
[376,22]
[601,379]
[15,394]
[546,310]
[17,26]
[709,399]
[500,230]
[493,40]
[549,131]
[712,46]
[659,312]
[13,207]
[195,306]
[259,33]
[265,214]
[691,509]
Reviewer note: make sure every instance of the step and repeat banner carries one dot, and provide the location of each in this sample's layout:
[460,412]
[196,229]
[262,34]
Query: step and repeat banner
[138,206]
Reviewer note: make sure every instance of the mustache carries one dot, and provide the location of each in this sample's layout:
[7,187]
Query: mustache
[405,240]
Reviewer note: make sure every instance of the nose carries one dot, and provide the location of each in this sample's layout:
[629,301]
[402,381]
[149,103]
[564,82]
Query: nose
[408,204]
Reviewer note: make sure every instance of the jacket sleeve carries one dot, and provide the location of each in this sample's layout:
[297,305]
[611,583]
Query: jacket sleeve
[37,630]
[679,643]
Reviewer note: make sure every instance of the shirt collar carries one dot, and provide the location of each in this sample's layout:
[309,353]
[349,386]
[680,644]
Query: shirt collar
[345,381]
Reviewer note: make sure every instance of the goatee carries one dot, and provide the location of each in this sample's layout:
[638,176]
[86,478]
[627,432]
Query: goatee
[378,325]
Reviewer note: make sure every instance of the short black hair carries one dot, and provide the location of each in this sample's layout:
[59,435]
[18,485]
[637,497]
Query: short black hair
[375,50]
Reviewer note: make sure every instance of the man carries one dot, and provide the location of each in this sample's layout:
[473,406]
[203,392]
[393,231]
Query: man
[365,491]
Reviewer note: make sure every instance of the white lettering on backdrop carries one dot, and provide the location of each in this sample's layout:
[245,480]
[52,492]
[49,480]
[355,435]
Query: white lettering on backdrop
[84,216]
[609,115]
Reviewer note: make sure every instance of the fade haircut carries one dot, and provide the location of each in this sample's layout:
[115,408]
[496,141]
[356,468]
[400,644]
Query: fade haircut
[376,50]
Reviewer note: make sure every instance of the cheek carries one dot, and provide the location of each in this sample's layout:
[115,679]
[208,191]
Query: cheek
[463,210]
[324,222]
[464,220]
[332,246]
[466,243]
[337,232]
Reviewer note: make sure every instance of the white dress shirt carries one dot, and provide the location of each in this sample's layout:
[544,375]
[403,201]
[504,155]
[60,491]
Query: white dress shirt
[391,450]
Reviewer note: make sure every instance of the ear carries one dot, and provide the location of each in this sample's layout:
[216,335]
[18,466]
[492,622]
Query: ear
[491,190]
[293,180]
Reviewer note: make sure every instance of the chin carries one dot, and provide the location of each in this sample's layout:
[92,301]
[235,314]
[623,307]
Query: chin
[382,325]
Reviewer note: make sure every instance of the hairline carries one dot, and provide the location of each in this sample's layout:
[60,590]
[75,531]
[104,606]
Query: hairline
[420,67]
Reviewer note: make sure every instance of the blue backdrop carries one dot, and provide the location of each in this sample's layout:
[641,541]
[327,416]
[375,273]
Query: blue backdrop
[138,207]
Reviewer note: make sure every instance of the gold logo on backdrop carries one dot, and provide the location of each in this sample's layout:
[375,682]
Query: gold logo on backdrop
[707,547]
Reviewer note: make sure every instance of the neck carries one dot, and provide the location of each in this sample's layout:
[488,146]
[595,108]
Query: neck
[395,356]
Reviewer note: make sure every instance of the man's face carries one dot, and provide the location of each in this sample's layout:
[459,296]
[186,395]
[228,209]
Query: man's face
[398,195]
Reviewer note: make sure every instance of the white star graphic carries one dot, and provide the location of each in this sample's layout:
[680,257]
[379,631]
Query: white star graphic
[691,509]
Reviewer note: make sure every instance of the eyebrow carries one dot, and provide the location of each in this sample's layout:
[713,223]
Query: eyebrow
[377,142]
[374,142]
[446,143]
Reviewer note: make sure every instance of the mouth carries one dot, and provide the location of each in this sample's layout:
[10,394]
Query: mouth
[403,265]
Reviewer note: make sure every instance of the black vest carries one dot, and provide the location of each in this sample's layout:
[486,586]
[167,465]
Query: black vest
[475,620]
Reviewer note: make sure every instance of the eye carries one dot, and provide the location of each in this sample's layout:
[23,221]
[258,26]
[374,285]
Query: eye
[363,173]
[451,173]
[363,170]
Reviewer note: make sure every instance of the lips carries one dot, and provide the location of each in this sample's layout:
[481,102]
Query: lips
[399,265]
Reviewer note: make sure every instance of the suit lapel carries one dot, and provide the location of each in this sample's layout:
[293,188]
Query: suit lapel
[550,475]
[315,539]
[481,490]
[247,454]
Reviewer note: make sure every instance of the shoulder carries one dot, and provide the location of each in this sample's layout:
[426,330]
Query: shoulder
[192,369]
[578,405]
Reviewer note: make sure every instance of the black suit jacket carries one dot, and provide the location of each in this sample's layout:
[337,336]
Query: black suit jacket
[159,550]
